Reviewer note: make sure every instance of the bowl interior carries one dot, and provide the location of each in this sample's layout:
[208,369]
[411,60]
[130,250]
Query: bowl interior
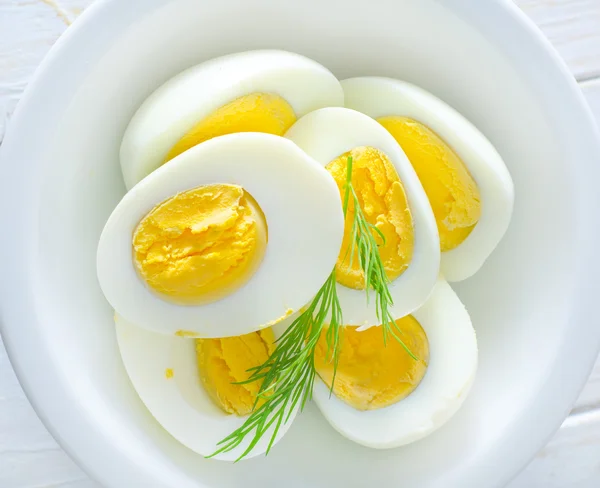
[520,302]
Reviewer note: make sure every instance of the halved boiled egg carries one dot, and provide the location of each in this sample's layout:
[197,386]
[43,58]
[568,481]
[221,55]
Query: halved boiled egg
[255,91]
[468,185]
[391,199]
[383,398]
[231,236]
[186,384]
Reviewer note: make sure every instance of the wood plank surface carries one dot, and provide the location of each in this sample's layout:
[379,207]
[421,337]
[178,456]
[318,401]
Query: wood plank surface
[30,458]
[573,27]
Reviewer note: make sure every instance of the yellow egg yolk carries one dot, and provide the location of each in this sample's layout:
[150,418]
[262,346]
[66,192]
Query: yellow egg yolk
[371,374]
[452,192]
[200,245]
[224,362]
[256,112]
[383,201]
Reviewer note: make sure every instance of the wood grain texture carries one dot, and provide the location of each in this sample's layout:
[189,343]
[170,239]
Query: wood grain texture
[573,27]
[30,458]
[28,28]
[570,460]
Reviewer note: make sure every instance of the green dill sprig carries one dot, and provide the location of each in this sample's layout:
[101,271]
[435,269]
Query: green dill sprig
[288,375]
[365,246]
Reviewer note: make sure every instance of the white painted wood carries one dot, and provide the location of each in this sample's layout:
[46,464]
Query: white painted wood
[28,28]
[30,458]
[570,460]
[573,27]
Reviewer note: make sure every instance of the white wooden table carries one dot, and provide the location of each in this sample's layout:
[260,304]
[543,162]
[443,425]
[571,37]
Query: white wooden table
[29,457]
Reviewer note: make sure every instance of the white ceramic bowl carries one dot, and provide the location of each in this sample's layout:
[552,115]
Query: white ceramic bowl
[533,304]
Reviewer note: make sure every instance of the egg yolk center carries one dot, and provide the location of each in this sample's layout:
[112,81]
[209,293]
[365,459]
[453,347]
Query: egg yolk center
[371,374]
[256,112]
[224,362]
[452,192]
[383,201]
[200,245]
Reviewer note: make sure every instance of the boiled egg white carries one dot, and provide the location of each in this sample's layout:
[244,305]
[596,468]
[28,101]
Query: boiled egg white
[255,91]
[382,98]
[164,372]
[329,133]
[302,210]
[450,372]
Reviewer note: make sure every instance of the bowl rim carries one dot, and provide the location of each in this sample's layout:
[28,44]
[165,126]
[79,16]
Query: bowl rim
[47,389]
